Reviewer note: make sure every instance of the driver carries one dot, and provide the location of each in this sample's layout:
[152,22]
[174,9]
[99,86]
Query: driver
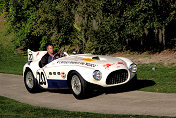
[49,56]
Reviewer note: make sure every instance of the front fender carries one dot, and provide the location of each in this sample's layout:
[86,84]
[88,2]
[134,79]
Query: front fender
[33,66]
[126,60]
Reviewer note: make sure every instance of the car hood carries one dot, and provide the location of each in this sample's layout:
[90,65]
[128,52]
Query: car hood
[90,60]
[95,59]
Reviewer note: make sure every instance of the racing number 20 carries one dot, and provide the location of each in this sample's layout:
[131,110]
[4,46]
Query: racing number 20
[42,79]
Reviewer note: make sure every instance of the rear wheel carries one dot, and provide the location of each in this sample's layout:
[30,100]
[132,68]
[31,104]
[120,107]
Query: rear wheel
[78,85]
[30,82]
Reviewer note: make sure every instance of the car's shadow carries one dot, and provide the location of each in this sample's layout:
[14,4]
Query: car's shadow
[130,87]
[122,88]
[62,91]
[111,90]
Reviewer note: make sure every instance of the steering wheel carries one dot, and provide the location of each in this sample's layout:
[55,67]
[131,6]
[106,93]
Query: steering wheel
[59,55]
[65,54]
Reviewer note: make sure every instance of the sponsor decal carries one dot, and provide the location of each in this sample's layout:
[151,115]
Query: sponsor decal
[121,63]
[77,63]
[88,59]
[37,54]
[63,75]
[107,66]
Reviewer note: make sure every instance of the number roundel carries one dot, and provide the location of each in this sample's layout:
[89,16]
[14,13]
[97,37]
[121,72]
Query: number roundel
[42,80]
[30,56]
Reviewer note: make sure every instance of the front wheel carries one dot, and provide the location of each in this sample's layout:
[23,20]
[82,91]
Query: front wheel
[30,82]
[78,86]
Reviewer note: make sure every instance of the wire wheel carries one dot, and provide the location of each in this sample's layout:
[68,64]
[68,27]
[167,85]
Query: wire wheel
[29,80]
[76,84]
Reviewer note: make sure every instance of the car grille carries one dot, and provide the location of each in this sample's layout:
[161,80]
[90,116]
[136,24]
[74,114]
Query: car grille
[117,77]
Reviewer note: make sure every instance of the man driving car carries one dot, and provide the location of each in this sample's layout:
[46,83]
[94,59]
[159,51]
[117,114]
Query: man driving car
[49,56]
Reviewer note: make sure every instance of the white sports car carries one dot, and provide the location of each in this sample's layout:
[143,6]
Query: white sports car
[77,72]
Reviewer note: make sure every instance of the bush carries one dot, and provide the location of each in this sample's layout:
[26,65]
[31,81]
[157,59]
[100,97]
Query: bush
[103,26]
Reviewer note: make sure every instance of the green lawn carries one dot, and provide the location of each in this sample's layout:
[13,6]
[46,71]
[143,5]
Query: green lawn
[12,64]
[9,62]
[163,76]
[11,108]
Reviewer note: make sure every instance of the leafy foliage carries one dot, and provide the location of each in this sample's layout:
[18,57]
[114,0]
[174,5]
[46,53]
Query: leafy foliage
[103,26]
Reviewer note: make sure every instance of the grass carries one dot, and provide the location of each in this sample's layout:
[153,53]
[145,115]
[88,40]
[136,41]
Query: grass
[5,37]
[163,76]
[12,64]
[9,62]
[15,109]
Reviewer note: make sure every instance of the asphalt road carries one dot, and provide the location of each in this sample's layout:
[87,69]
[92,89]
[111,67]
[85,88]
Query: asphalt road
[131,102]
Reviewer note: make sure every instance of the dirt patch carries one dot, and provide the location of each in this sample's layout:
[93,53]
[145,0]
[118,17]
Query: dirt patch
[165,57]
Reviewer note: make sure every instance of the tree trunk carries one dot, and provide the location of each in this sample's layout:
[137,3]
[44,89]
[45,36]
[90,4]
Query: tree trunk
[164,42]
[161,36]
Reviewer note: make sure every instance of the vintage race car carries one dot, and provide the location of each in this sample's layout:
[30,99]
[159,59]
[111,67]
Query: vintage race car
[77,72]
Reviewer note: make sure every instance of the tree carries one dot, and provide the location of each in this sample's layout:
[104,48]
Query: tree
[103,26]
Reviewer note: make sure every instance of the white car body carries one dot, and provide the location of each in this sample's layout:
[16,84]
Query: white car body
[56,73]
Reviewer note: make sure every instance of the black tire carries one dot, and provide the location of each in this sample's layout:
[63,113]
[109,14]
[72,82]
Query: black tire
[30,82]
[78,86]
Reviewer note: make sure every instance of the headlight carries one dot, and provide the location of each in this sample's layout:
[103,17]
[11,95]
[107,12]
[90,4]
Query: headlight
[97,75]
[133,68]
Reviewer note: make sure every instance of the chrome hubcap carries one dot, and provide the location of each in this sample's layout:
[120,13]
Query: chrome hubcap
[29,80]
[76,84]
